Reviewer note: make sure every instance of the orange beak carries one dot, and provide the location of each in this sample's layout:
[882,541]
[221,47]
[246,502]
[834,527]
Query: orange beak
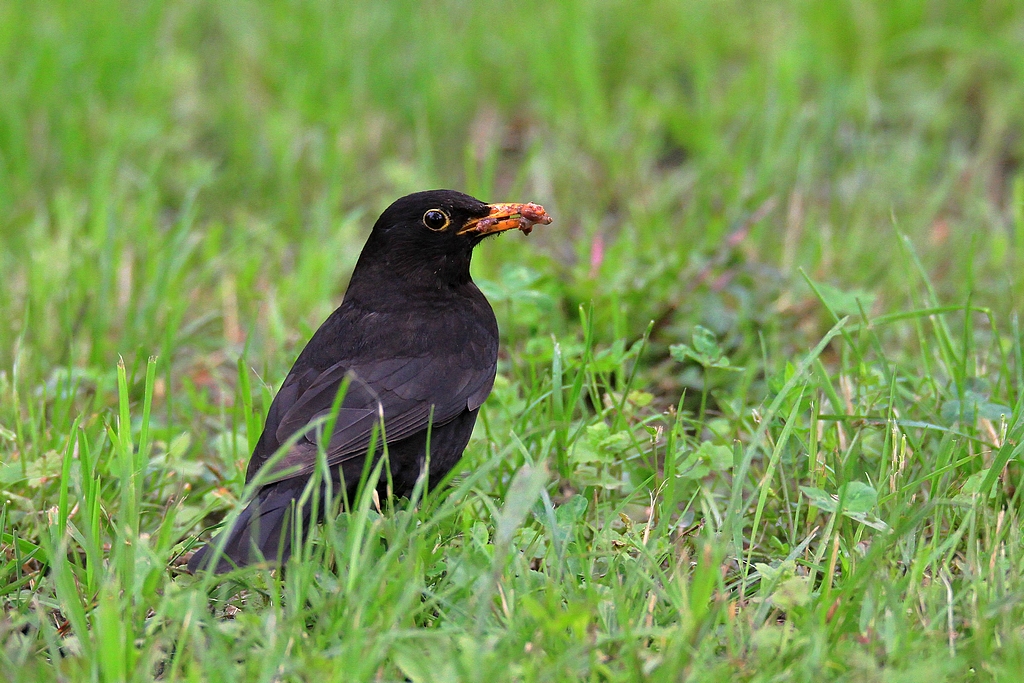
[507,217]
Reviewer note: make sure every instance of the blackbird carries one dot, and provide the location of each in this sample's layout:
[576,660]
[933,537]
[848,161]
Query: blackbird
[416,345]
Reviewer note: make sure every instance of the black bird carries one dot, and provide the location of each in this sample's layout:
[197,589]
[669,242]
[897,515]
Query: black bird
[417,343]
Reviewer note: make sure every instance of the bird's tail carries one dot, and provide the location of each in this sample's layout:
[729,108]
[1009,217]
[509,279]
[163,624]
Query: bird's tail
[262,533]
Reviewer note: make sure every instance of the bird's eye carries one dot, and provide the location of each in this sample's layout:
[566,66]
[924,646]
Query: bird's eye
[436,219]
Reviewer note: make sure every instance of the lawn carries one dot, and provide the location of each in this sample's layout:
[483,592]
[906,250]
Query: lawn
[759,413]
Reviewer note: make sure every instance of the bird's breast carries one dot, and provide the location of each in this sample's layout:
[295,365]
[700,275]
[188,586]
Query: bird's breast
[425,322]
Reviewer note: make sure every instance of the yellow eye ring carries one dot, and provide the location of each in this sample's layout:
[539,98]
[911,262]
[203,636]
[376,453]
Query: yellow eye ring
[436,220]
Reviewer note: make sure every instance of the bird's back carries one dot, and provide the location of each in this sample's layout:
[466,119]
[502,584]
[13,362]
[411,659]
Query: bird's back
[406,354]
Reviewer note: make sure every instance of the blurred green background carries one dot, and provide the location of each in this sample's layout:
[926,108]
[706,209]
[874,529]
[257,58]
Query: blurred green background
[193,181]
[151,148]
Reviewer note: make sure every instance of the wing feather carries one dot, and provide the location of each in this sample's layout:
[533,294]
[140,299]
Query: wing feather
[404,390]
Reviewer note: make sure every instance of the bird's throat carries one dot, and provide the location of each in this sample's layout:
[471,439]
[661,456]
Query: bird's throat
[412,270]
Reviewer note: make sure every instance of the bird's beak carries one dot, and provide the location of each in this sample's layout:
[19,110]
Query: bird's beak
[507,217]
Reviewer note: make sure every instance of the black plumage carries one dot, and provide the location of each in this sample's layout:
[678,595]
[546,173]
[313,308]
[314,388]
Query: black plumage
[418,344]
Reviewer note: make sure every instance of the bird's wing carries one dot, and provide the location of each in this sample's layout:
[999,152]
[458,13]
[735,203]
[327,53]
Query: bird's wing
[403,390]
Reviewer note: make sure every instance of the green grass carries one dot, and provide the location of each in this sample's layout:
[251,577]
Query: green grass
[806,468]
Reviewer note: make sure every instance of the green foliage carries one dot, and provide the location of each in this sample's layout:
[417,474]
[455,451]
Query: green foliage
[705,351]
[759,410]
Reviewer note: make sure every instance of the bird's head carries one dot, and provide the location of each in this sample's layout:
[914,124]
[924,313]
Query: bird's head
[429,236]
